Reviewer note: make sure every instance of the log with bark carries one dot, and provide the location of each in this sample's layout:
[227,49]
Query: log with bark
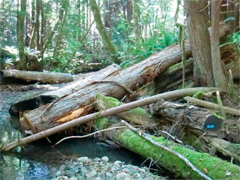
[35,76]
[191,120]
[212,167]
[49,97]
[194,118]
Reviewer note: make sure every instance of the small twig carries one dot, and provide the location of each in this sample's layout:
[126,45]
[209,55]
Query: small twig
[146,136]
[88,135]
[172,137]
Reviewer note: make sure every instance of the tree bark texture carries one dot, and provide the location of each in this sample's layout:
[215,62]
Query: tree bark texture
[102,31]
[20,35]
[197,25]
[218,75]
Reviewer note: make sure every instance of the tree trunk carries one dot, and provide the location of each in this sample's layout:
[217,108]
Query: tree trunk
[65,6]
[102,31]
[200,41]
[219,77]
[55,29]
[136,17]
[38,9]
[20,35]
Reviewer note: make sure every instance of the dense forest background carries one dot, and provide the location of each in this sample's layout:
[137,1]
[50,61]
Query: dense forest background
[63,36]
[83,35]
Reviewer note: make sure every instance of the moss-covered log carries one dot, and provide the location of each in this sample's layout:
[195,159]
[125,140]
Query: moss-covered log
[213,167]
[137,116]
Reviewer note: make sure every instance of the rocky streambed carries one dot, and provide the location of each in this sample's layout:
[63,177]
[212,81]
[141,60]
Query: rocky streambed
[101,169]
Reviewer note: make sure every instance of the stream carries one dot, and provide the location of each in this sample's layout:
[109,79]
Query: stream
[36,161]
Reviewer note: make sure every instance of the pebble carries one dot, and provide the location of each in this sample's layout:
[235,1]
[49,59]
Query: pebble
[105,159]
[100,169]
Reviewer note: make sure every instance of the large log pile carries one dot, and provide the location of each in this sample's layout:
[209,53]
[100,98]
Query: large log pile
[72,104]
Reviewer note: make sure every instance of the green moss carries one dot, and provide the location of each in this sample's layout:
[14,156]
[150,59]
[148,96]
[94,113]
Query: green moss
[215,167]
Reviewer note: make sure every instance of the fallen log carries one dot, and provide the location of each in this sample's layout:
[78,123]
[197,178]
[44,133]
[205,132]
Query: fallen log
[143,118]
[108,112]
[213,167]
[194,118]
[50,97]
[137,116]
[43,77]
[80,102]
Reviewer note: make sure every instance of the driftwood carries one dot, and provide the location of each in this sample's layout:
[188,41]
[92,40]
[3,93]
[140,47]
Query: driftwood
[43,77]
[108,112]
[170,155]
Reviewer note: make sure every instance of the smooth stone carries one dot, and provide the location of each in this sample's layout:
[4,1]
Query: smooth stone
[73,178]
[122,176]
[59,173]
[108,174]
[105,158]
[62,167]
[118,163]
[83,159]
[98,178]
[62,178]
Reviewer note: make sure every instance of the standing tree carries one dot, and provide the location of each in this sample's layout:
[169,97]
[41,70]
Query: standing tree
[219,77]
[102,31]
[20,34]
[136,16]
[200,41]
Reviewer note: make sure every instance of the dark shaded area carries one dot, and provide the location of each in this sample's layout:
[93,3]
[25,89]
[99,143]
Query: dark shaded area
[213,123]
[29,104]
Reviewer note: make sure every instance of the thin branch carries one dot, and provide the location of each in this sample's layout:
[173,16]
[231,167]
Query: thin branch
[146,136]
[88,135]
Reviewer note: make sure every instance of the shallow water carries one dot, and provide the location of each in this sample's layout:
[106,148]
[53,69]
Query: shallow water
[35,160]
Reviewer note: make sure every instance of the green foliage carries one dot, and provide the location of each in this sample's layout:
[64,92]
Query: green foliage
[132,53]
[233,39]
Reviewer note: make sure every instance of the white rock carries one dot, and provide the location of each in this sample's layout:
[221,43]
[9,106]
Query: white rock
[122,176]
[58,173]
[98,178]
[105,158]
[62,178]
[73,178]
[117,163]
[84,159]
